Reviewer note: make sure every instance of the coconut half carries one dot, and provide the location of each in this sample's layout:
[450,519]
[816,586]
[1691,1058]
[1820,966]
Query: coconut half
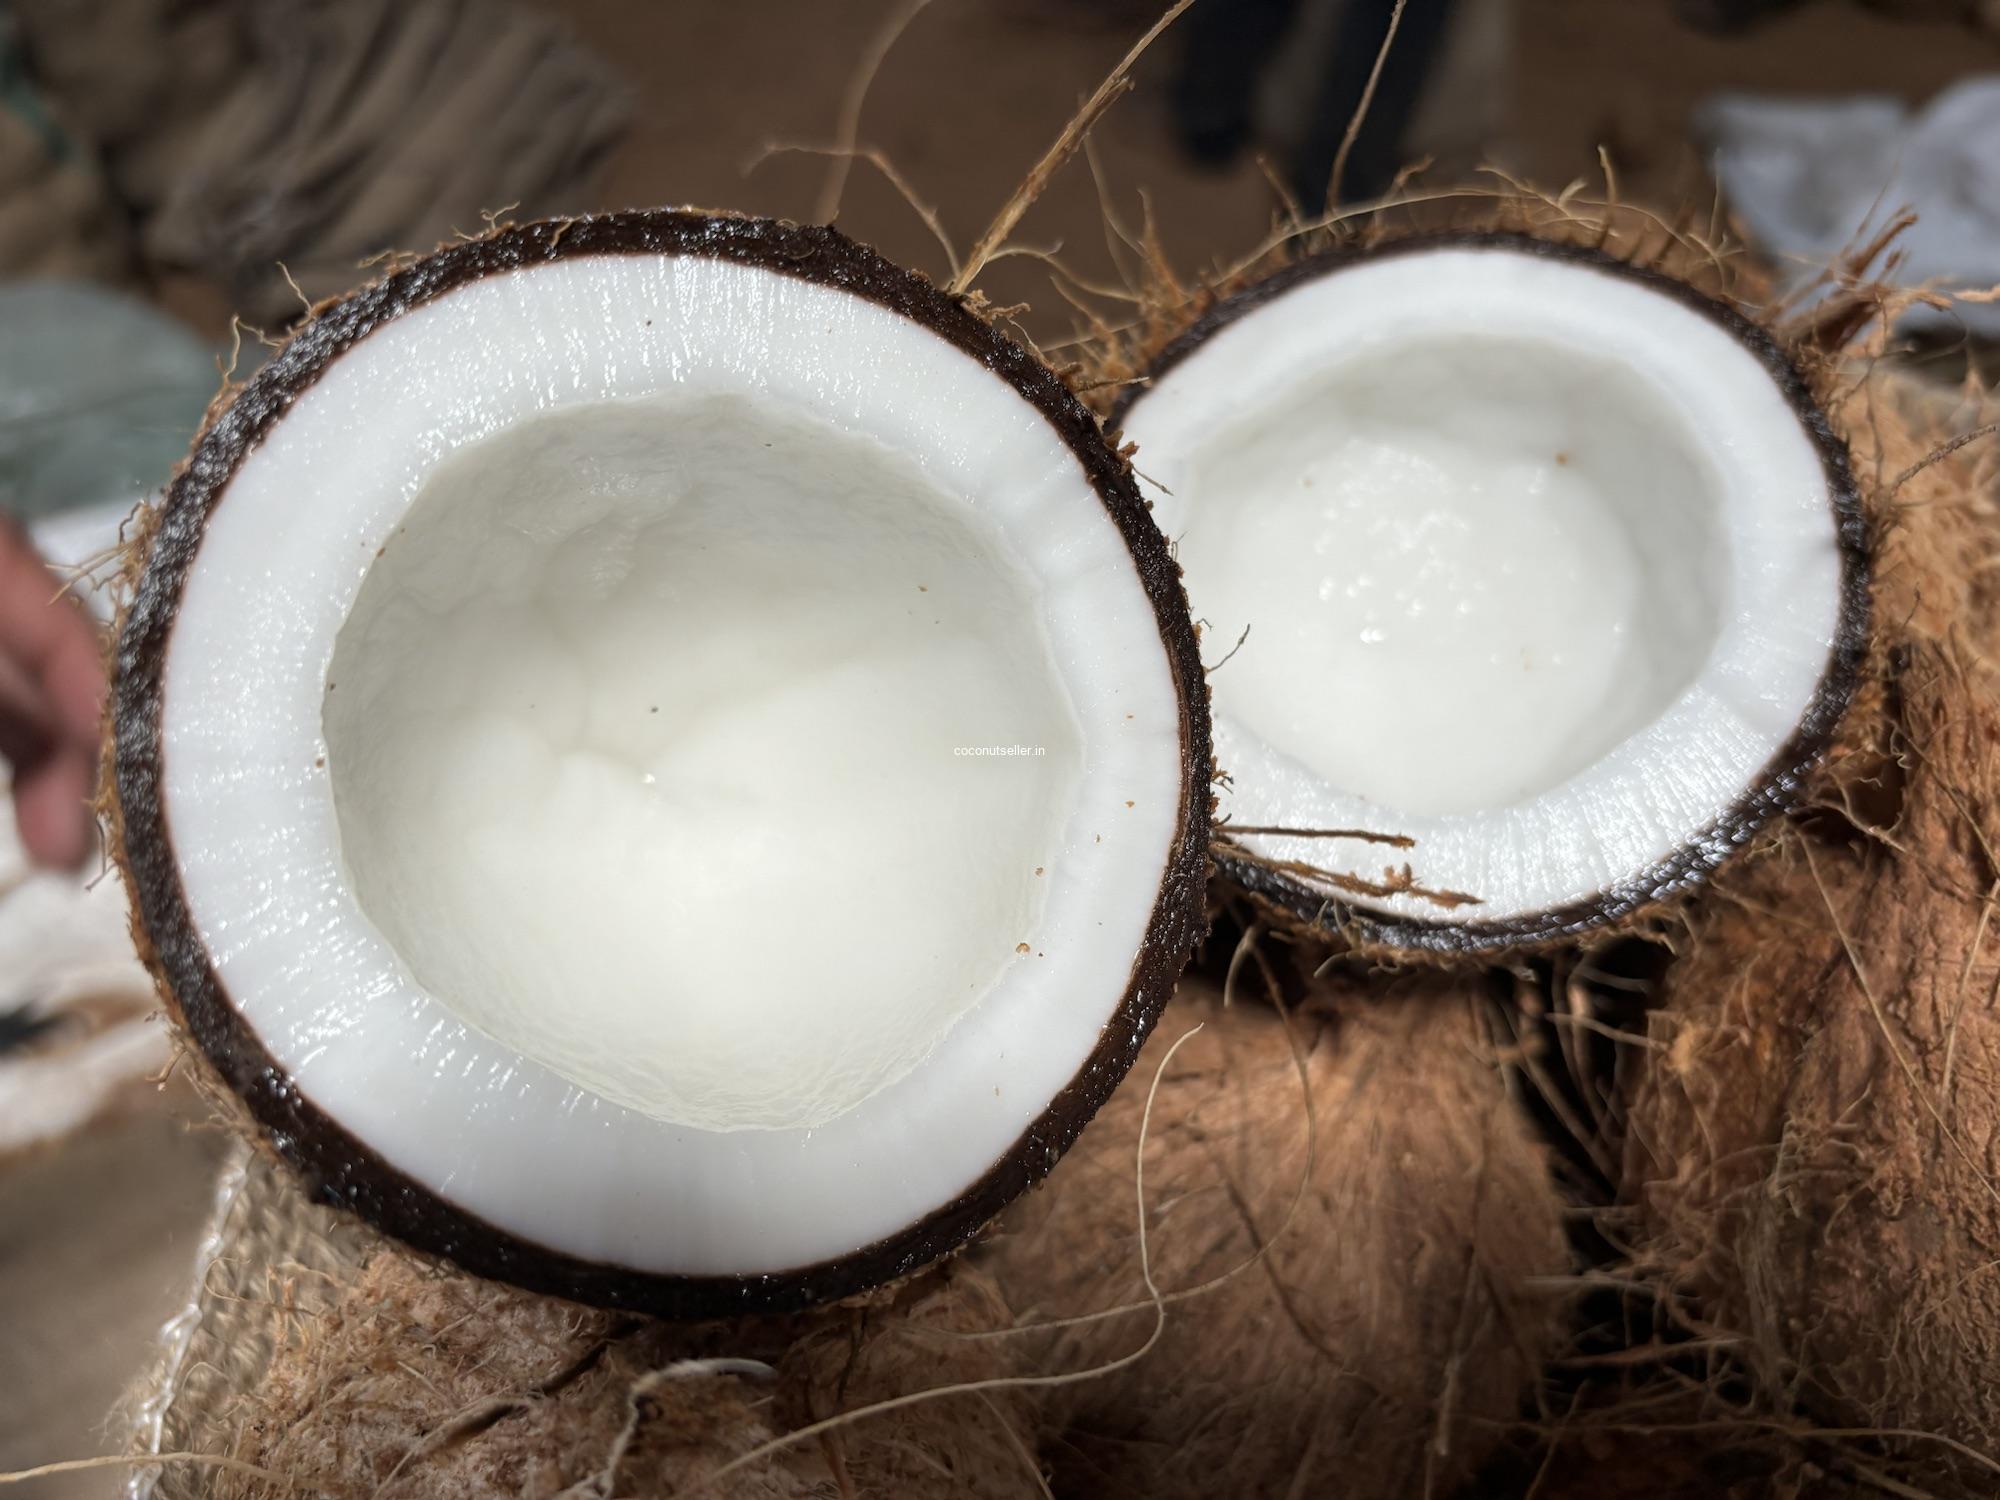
[1548,563]
[664,760]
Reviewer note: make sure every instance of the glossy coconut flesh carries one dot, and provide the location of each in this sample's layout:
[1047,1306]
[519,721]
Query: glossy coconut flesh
[1538,563]
[676,758]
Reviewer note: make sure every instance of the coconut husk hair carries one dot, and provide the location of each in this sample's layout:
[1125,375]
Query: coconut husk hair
[1808,1176]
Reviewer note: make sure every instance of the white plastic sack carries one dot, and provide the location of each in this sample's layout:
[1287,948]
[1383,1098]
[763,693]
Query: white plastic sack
[1809,177]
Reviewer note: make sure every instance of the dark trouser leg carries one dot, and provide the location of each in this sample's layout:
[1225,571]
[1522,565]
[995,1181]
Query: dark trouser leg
[1224,45]
[1373,162]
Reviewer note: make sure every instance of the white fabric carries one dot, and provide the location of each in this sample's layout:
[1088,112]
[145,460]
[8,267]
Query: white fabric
[1810,177]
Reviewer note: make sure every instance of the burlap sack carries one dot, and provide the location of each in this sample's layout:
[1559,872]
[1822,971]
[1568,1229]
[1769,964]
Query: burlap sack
[269,1257]
[57,216]
[272,145]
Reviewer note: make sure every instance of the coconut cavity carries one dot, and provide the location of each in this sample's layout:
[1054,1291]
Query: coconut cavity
[1480,541]
[1548,564]
[629,677]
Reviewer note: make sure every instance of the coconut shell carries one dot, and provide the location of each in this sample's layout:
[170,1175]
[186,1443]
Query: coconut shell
[424,1382]
[1397,1317]
[1810,1149]
[1335,908]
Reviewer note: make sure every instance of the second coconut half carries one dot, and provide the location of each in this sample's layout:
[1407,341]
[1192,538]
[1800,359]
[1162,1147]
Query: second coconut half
[1548,564]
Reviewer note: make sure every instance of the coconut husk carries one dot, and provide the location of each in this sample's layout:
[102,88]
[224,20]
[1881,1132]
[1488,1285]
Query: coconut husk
[316,1357]
[442,1385]
[1680,1453]
[1809,1149]
[1355,1297]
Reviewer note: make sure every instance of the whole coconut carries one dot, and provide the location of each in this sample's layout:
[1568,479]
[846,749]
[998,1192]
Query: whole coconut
[1363,1317]
[1812,1148]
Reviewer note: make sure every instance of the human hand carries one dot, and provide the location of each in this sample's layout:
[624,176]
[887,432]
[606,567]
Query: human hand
[51,697]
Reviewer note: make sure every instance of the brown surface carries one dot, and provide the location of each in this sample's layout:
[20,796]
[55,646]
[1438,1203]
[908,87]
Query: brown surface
[971,95]
[974,92]
[976,89]
[1627,75]
[96,1246]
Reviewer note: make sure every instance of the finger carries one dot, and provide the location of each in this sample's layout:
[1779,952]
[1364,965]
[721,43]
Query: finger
[28,734]
[73,685]
[51,809]
[52,775]
[48,633]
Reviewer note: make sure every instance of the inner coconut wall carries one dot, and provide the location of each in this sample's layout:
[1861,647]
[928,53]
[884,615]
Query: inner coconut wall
[624,677]
[1469,567]
[250,797]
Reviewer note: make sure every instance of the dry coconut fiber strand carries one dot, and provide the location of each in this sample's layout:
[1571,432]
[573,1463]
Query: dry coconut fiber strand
[1809,1154]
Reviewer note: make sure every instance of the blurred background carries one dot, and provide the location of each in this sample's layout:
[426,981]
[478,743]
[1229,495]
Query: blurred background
[180,179]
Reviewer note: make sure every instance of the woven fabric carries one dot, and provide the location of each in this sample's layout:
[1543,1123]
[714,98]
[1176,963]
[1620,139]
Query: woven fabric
[269,1258]
[273,145]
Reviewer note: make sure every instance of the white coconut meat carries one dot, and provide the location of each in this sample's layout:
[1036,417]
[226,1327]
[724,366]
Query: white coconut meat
[674,757]
[1538,562]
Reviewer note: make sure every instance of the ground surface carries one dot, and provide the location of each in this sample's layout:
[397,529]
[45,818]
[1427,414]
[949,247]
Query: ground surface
[97,1243]
[976,89]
